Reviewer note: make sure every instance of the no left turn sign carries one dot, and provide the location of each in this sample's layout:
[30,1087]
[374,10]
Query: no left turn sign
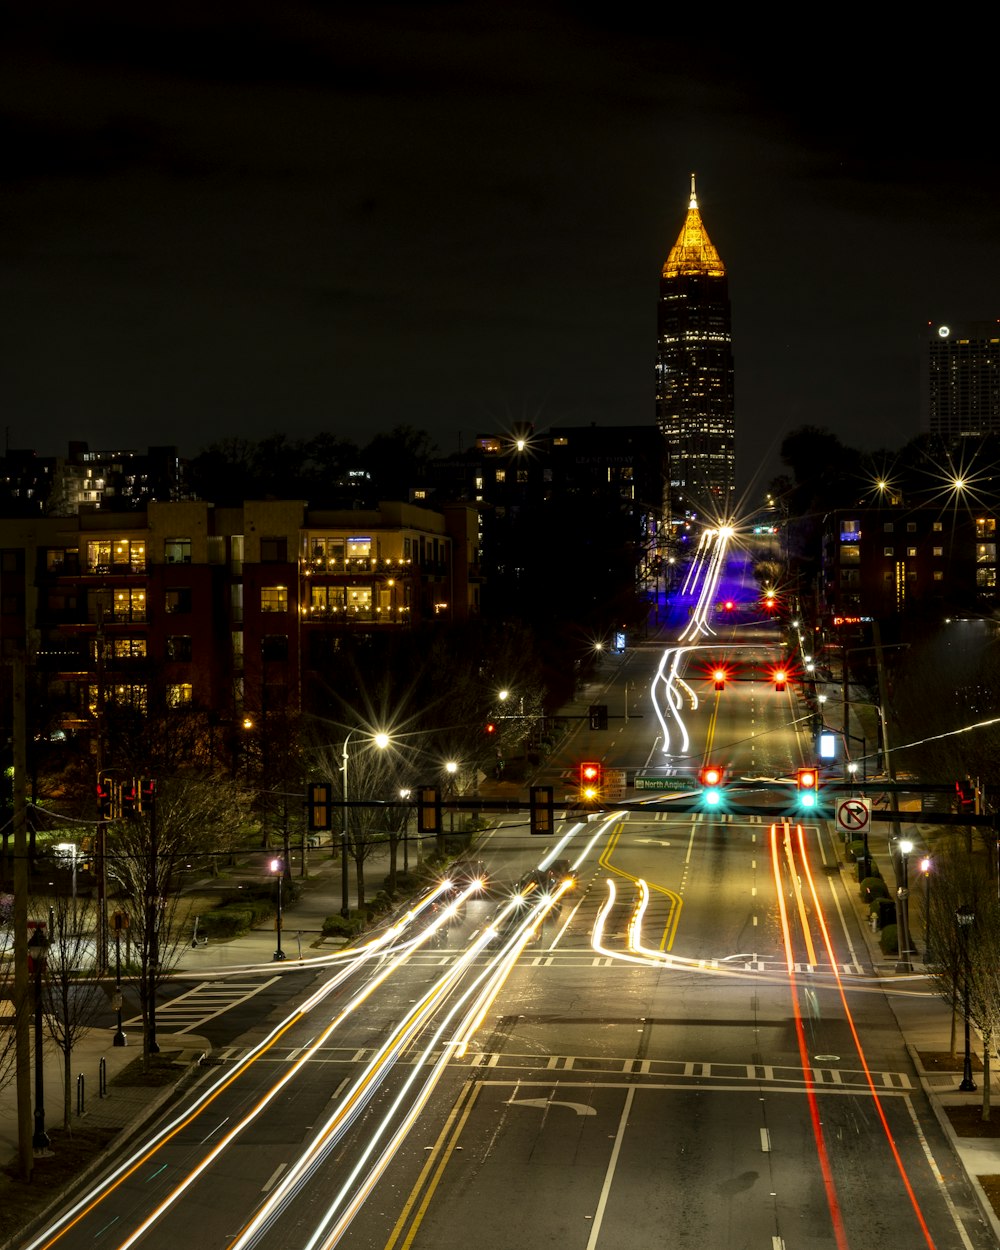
[854,815]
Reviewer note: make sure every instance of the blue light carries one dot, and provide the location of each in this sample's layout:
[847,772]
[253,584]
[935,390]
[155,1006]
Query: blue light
[807,799]
[712,797]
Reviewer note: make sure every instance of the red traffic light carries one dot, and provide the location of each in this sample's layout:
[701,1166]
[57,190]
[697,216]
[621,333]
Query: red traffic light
[589,774]
[779,677]
[729,605]
[710,776]
[808,778]
[489,728]
[719,677]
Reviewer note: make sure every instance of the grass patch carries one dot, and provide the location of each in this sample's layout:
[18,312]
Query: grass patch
[72,1152]
[162,1071]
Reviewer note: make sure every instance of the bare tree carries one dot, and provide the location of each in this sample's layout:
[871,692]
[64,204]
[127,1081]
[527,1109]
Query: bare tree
[181,821]
[8,1003]
[72,995]
[964,923]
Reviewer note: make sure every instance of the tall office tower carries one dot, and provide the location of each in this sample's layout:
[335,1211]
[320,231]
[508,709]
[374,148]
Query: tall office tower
[694,373]
[964,379]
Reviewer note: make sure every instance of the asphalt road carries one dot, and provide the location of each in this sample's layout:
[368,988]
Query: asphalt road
[698,1059]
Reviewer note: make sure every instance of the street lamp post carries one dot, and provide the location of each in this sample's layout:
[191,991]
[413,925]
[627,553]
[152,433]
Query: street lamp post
[381,740]
[925,867]
[405,796]
[451,768]
[903,908]
[278,869]
[965,918]
[38,948]
[120,921]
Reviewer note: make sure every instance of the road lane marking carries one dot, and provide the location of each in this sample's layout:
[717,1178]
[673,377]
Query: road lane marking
[609,1175]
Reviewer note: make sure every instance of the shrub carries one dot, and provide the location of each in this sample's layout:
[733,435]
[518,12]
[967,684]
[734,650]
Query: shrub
[227,921]
[888,940]
[340,926]
[873,888]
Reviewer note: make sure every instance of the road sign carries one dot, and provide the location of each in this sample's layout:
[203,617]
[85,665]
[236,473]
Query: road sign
[854,815]
[614,784]
[679,785]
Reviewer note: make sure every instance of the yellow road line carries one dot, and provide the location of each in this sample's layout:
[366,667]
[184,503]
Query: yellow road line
[676,902]
[440,1155]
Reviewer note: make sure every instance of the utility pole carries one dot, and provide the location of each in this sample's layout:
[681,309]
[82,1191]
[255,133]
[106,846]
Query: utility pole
[902,902]
[22,1015]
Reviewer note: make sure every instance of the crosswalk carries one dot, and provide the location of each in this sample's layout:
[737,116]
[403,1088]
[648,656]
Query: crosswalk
[204,1002]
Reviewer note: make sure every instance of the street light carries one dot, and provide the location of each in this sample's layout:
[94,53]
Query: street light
[926,864]
[965,918]
[405,796]
[278,869]
[38,948]
[903,909]
[381,740]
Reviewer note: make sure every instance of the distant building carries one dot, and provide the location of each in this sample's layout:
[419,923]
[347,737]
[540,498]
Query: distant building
[884,562]
[590,499]
[109,481]
[963,379]
[694,373]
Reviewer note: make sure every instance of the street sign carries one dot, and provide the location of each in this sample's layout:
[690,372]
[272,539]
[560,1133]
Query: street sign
[678,785]
[854,815]
[614,784]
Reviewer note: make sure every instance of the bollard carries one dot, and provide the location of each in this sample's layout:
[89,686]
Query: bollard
[80,1093]
[102,1078]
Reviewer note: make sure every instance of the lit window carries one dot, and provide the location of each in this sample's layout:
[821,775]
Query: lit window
[887,551]
[887,527]
[986,553]
[911,527]
[274,598]
[937,551]
[911,552]
[501,475]
[179,694]
[937,527]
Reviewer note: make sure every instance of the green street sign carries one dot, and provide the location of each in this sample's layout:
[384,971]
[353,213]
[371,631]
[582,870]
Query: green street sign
[678,785]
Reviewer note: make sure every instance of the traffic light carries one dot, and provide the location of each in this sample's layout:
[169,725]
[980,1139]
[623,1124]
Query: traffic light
[542,810]
[779,676]
[719,677]
[129,798]
[318,802]
[807,781]
[711,778]
[428,809]
[589,775]
[489,729]
[105,800]
[770,601]
[728,605]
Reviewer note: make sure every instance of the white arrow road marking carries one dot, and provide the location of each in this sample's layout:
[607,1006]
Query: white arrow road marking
[580,1108]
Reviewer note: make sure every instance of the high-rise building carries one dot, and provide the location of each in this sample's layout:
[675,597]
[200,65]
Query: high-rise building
[963,379]
[694,373]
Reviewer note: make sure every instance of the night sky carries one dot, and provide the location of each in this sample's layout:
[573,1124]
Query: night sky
[301,217]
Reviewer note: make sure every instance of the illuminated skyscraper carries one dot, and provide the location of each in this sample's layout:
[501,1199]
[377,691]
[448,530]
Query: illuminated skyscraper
[963,379]
[694,372]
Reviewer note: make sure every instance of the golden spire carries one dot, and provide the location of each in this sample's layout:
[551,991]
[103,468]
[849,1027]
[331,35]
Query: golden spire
[694,252]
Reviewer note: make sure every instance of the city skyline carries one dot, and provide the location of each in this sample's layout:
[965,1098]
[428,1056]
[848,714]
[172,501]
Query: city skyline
[456,219]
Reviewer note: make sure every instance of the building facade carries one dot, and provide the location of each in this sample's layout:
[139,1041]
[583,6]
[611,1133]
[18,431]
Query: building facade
[230,610]
[695,406]
[884,562]
[963,380]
